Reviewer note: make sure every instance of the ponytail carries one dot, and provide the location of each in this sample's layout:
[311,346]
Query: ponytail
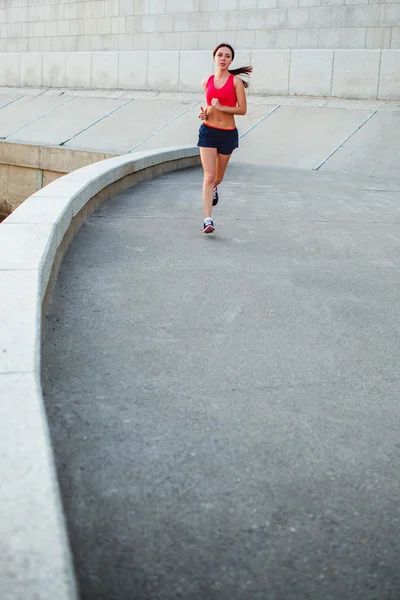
[242,71]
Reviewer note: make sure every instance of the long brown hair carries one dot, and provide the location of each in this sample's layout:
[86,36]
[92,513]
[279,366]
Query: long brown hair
[241,70]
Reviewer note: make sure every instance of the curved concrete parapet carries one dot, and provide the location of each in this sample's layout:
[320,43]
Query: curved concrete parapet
[35,560]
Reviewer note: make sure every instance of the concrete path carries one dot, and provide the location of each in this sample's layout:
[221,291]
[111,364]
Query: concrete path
[225,409]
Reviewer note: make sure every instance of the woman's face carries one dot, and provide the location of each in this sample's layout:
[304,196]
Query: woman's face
[223,57]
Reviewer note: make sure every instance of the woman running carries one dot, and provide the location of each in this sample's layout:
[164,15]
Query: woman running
[218,136]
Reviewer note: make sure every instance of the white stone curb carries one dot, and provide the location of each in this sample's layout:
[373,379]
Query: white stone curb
[35,560]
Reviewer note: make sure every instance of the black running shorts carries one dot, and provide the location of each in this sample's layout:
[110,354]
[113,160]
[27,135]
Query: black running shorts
[224,140]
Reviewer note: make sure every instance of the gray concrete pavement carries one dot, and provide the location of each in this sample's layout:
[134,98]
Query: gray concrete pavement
[225,409]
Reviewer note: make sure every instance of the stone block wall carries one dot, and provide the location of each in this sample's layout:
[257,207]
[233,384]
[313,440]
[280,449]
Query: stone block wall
[300,47]
[368,74]
[145,25]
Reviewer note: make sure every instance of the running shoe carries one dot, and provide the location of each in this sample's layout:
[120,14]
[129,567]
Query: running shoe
[208,225]
[215,196]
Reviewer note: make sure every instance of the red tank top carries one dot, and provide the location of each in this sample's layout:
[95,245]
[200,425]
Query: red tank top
[226,94]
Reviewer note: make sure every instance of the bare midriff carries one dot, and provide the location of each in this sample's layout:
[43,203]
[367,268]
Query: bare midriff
[219,119]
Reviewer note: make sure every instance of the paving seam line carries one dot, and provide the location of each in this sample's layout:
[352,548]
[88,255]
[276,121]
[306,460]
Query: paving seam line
[260,121]
[95,122]
[37,119]
[163,126]
[12,101]
[345,140]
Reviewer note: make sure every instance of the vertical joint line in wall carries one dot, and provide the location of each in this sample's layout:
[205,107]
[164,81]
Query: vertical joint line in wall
[41,69]
[179,70]
[19,70]
[379,75]
[147,69]
[333,67]
[290,68]
[41,170]
[119,54]
[65,69]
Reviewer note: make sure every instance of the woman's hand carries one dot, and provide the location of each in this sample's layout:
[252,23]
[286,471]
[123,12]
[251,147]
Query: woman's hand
[216,104]
[203,113]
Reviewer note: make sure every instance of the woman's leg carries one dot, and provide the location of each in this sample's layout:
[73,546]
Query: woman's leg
[208,160]
[222,163]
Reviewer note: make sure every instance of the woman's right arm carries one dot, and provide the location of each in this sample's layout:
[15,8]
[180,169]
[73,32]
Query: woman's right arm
[203,111]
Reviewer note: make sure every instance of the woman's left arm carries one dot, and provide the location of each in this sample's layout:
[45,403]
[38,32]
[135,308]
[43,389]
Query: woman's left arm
[241,107]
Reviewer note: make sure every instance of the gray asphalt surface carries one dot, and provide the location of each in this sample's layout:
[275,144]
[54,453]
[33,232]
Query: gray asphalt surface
[225,410]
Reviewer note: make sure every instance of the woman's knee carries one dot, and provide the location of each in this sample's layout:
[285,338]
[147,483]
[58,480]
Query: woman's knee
[209,178]
[218,180]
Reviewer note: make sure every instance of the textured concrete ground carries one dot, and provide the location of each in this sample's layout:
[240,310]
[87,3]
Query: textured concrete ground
[225,410]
